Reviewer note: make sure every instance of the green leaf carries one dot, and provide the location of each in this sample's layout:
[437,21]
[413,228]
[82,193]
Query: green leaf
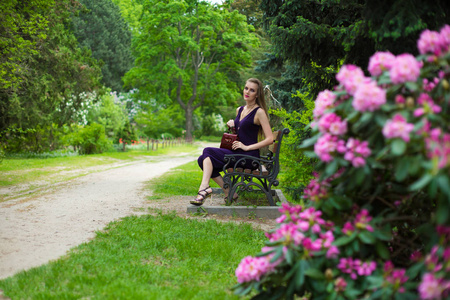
[384,234]
[277,255]
[367,237]
[375,281]
[402,168]
[444,184]
[412,86]
[352,293]
[442,210]
[331,168]
[352,115]
[398,147]
[414,270]
[364,120]
[342,202]
[382,250]
[309,142]
[288,256]
[422,182]
[300,274]
[344,240]
[314,273]
[414,165]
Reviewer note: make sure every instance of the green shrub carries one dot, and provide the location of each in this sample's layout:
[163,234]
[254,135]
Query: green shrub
[296,167]
[36,140]
[90,139]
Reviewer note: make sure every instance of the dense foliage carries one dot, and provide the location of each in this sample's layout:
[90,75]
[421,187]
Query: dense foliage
[100,28]
[297,167]
[376,220]
[42,68]
[185,51]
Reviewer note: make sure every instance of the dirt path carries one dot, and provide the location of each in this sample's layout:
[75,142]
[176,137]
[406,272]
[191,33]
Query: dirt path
[37,230]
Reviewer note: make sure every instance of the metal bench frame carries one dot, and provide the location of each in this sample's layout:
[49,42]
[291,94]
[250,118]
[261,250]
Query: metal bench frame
[263,174]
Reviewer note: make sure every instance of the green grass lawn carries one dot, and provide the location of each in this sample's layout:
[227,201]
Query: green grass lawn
[158,256]
[182,181]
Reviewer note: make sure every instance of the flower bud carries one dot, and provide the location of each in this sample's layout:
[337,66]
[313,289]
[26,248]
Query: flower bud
[445,84]
[410,102]
[329,274]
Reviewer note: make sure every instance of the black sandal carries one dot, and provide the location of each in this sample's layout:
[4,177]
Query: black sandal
[200,201]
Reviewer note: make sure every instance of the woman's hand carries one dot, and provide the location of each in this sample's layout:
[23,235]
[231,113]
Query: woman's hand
[230,123]
[238,145]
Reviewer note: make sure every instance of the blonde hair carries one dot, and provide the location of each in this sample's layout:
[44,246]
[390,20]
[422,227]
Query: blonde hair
[260,97]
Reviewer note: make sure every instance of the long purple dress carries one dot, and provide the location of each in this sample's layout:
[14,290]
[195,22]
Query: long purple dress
[247,132]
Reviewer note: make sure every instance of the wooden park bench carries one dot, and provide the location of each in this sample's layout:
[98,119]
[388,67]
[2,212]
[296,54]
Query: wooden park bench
[263,175]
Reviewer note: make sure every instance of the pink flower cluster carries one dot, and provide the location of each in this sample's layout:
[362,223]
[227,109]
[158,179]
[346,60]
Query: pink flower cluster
[405,68]
[397,127]
[433,287]
[356,267]
[351,76]
[288,233]
[402,68]
[333,124]
[327,145]
[368,97]
[325,100]
[438,146]
[340,284]
[428,86]
[428,106]
[380,62]
[299,229]
[395,277]
[361,222]
[253,268]
[316,190]
[433,42]
[356,152]
[435,283]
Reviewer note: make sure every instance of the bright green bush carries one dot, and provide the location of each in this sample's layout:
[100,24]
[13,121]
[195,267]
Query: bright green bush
[296,166]
[90,139]
[36,140]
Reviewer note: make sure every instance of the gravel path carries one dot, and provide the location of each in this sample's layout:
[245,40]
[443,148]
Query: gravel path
[36,230]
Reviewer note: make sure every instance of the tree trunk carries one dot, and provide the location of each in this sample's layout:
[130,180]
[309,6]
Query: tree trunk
[189,111]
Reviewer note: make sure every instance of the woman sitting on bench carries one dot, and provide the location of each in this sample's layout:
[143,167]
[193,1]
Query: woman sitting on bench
[251,119]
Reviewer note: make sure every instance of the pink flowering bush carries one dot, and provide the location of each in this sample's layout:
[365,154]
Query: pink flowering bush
[375,223]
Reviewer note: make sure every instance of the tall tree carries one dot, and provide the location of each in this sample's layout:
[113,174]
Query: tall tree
[46,69]
[101,28]
[185,50]
[131,11]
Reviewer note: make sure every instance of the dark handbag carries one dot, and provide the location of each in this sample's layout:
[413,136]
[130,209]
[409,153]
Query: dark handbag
[228,139]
